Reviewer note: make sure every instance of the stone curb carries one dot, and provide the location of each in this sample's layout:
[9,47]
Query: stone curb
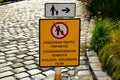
[93,60]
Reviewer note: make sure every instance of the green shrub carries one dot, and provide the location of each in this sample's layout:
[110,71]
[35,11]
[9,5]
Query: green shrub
[110,61]
[105,8]
[106,35]
[1,1]
[101,32]
[109,55]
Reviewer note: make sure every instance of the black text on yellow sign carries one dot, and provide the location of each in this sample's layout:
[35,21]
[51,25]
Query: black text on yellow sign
[59,42]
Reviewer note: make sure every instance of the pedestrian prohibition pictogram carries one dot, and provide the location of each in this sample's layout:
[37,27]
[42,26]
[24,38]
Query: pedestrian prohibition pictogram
[59,30]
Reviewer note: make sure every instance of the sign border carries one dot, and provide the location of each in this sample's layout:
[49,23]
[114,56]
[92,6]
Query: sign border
[78,42]
[60,16]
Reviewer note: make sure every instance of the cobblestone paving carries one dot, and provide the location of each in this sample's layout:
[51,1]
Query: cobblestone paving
[19,44]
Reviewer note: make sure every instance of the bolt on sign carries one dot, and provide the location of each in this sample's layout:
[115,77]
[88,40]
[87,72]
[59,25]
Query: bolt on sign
[59,42]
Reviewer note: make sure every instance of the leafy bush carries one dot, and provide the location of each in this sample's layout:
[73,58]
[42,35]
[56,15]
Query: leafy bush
[101,32]
[110,55]
[106,35]
[1,1]
[105,8]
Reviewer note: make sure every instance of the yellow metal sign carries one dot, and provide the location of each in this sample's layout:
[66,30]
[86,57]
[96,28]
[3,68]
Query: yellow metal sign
[59,42]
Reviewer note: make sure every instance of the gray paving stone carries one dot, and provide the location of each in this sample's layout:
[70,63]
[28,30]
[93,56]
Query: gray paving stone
[38,77]
[48,79]
[71,68]
[30,44]
[29,62]
[21,43]
[2,61]
[104,78]
[9,46]
[83,58]
[84,72]
[26,78]
[31,47]
[34,49]
[32,53]
[100,74]
[93,59]
[34,71]
[21,56]
[11,58]
[82,62]
[8,78]
[82,67]
[21,46]
[64,70]
[91,53]
[65,76]
[89,77]
[5,64]
[13,48]
[10,55]
[6,68]
[71,72]
[37,60]
[16,65]
[31,66]
[19,61]
[5,41]
[96,66]
[18,70]
[45,68]
[7,73]
[75,78]
[21,75]
[23,50]
[2,57]
[29,41]
[13,51]
[28,57]
[49,74]
[2,54]
[4,49]
[37,55]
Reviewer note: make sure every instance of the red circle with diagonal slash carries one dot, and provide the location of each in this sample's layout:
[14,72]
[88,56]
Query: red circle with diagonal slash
[63,30]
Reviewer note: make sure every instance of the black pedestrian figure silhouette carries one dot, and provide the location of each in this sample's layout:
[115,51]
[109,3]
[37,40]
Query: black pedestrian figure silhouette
[57,30]
[52,10]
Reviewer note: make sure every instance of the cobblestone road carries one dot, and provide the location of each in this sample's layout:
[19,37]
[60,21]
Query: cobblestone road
[19,44]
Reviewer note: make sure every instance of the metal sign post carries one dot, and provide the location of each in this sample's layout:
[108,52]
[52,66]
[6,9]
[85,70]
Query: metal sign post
[57,73]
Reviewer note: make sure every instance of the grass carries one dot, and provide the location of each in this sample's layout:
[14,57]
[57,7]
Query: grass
[106,41]
[101,32]
[110,56]
[106,34]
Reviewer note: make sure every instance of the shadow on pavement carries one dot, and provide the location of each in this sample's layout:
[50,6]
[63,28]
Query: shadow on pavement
[9,2]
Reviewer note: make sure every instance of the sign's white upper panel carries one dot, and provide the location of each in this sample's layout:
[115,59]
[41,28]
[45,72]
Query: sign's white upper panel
[60,9]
